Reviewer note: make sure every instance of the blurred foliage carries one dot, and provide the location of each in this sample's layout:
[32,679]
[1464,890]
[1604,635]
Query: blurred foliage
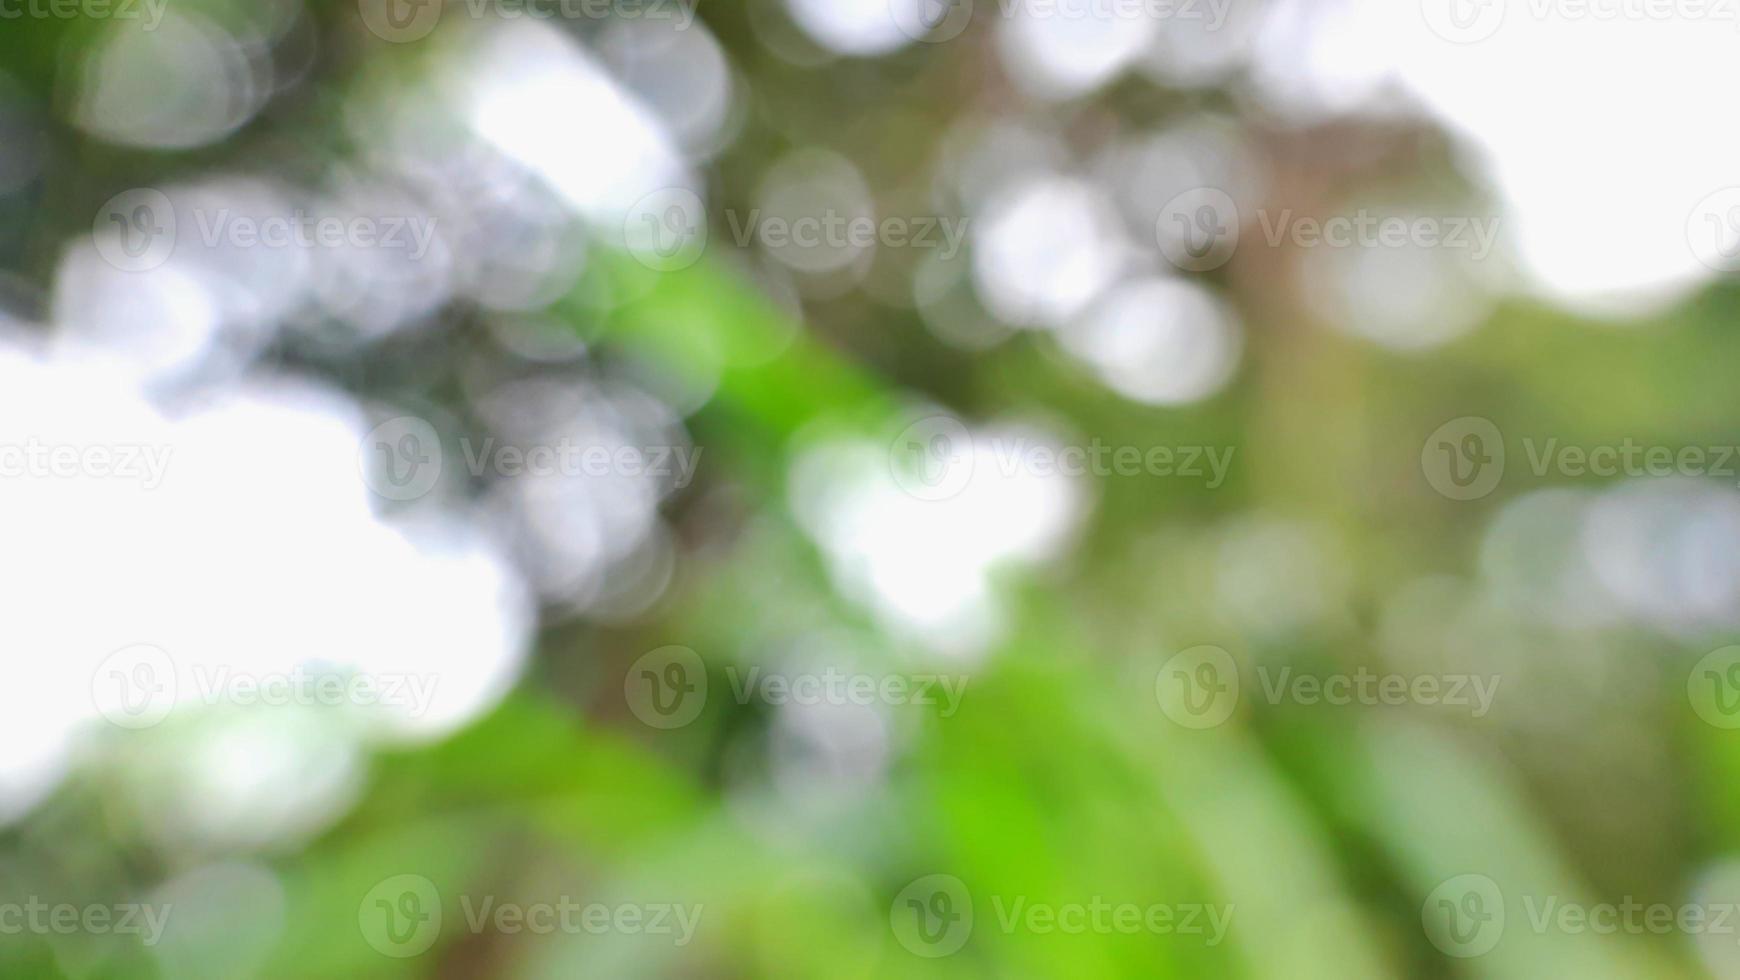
[1059,778]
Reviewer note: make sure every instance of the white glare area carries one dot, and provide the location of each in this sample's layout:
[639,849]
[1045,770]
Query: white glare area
[1158,341]
[250,548]
[1668,553]
[184,83]
[925,566]
[542,100]
[1313,59]
[156,325]
[224,921]
[853,27]
[1044,249]
[1602,170]
[1408,297]
[680,73]
[1060,49]
[1276,577]
[806,187]
[588,529]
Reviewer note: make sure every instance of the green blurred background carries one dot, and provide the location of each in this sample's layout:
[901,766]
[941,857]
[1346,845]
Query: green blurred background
[820,531]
